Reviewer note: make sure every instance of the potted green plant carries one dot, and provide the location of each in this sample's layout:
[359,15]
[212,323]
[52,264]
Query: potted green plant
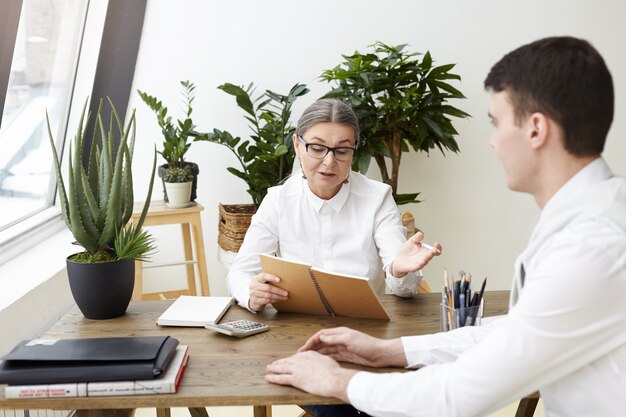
[177,136]
[178,182]
[96,207]
[265,158]
[402,105]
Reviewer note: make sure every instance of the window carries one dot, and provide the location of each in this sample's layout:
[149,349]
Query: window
[41,78]
[54,54]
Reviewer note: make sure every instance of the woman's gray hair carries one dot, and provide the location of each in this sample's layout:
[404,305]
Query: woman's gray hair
[328,110]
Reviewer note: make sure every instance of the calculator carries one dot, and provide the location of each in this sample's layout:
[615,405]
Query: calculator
[238,328]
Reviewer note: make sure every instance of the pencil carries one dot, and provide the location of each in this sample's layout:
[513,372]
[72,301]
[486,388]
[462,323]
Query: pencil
[449,295]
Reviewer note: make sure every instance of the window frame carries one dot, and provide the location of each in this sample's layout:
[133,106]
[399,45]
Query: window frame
[9,23]
[111,74]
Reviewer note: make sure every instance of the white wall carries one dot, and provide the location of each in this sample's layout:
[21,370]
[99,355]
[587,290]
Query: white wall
[276,43]
[35,312]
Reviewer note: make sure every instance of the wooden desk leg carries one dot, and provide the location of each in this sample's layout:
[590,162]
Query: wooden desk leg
[198,412]
[163,412]
[526,407]
[262,411]
[105,413]
[200,256]
[138,287]
[191,276]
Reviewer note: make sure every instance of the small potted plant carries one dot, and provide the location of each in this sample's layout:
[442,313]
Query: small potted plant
[265,159]
[177,136]
[97,206]
[178,182]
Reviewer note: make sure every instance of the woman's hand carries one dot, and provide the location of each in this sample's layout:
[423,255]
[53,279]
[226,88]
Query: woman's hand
[263,291]
[412,256]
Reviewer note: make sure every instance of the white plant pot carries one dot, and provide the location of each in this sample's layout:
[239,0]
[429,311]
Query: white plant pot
[178,194]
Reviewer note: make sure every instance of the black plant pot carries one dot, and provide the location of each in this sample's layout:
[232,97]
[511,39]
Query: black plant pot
[102,290]
[194,184]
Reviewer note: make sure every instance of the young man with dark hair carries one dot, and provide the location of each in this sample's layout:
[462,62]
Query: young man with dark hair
[565,334]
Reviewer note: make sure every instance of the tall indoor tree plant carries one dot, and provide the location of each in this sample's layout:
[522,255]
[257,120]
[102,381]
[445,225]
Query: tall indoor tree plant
[177,136]
[402,104]
[97,206]
[265,158]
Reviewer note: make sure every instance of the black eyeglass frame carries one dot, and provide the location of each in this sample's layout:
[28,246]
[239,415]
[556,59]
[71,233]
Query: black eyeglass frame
[328,149]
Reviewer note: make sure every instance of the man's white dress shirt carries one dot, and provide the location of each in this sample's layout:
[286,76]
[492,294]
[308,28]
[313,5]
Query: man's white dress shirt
[350,233]
[565,333]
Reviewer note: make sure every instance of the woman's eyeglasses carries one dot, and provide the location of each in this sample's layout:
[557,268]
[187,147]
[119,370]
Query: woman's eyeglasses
[319,151]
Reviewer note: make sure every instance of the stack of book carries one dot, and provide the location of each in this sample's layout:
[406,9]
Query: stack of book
[49,368]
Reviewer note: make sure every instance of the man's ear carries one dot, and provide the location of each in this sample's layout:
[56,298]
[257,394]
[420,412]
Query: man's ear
[539,130]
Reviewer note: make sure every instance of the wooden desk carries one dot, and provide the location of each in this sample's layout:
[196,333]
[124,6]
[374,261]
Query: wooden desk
[227,371]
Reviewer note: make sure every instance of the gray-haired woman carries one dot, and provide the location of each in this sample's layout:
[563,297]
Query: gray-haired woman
[329,216]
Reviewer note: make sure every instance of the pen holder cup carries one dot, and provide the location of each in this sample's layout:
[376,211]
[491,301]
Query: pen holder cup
[452,318]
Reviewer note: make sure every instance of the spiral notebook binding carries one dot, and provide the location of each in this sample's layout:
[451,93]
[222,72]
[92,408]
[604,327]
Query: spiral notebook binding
[327,305]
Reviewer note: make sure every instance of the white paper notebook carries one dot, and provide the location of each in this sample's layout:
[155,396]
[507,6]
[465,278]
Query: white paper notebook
[195,311]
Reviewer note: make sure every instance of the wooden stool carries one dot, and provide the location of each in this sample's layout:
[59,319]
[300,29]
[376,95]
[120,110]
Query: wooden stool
[160,214]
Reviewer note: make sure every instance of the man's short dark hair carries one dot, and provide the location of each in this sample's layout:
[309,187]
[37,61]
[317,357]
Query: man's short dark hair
[567,80]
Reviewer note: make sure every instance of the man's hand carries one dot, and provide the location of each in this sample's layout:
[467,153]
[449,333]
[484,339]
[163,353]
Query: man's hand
[347,345]
[263,292]
[311,372]
[412,256]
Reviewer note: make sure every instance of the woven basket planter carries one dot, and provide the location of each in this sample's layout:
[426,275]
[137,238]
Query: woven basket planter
[233,225]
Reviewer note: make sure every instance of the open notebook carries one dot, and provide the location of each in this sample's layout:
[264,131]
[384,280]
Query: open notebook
[315,291]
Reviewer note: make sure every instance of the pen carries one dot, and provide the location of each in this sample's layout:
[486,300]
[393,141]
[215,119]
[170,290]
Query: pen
[449,298]
[482,290]
[462,309]
[457,293]
[476,300]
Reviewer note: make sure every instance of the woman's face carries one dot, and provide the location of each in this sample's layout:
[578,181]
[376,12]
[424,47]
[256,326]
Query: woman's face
[326,175]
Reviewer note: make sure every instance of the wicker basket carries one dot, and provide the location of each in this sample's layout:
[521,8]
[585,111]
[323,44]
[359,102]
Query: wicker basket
[233,224]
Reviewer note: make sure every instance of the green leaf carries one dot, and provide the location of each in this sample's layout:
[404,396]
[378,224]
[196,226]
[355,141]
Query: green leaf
[401,199]
[447,87]
[57,167]
[243,99]
[146,205]
[134,243]
[439,70]
[280,150]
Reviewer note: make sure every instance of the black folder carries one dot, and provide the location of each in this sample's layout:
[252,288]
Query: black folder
[51,361]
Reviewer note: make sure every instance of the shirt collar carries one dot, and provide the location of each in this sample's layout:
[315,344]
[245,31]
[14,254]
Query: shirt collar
[595,171]
[336,203]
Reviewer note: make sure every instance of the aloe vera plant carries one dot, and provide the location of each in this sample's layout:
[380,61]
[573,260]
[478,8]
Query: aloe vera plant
[98,201]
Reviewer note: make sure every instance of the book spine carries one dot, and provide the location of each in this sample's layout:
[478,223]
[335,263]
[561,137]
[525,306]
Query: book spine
[104,389]
[77,389]
[327,305]
[91,389]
